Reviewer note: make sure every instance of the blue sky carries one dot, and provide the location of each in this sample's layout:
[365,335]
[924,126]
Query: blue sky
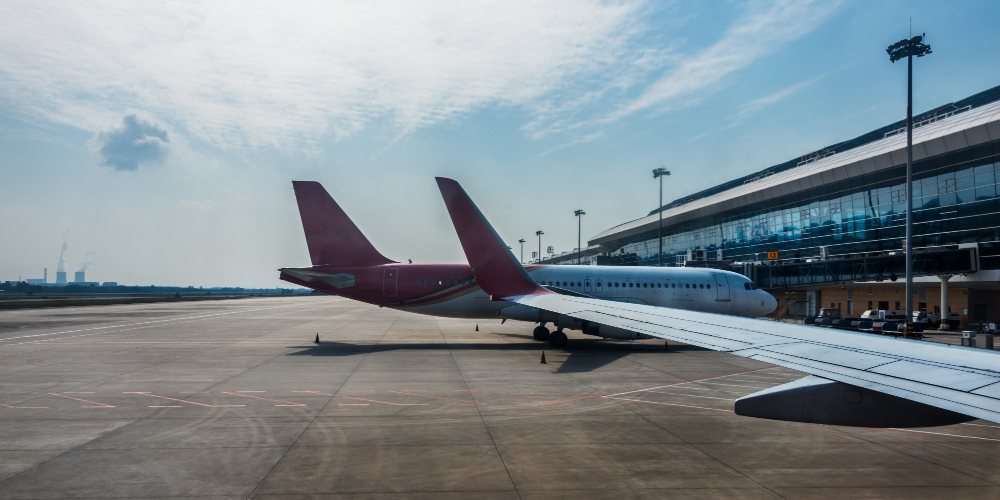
[160,140]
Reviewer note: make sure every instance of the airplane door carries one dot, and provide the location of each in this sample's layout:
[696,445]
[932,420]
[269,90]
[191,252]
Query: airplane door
[600,286]
[721,287]
[586,285]
[389,281]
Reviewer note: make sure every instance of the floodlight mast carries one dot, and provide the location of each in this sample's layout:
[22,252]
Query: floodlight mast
[660,173]
[579,251]
[909,48]
[521,241]
[539,234]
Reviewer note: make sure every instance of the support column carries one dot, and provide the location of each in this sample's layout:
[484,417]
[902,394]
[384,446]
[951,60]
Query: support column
[944,300]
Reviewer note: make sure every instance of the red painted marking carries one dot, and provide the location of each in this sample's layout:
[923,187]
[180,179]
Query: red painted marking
[99,405]
[67,392]
[25,407]
[669,404]
[363,399]
[437,397]
[171,406]
[251,391]
[511,395]
[641,388]
[184,400]
[352,404]
[287,403]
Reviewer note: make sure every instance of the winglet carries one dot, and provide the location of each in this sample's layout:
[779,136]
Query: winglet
[494,266]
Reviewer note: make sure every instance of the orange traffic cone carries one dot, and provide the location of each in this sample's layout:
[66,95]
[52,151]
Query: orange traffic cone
[477,327]
[543,358]
[666,345]
[317,338]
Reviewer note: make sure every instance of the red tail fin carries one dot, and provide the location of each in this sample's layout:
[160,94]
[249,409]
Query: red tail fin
[331,236]
[495,267]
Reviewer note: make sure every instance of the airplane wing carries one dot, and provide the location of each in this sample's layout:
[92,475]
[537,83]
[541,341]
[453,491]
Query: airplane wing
[856,378]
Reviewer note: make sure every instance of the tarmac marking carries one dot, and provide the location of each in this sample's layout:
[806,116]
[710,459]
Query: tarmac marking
[692,395]
[170,406]
[982,425]
[641,389]
[502,394]
[25,407]
[466,401]
[668,404]
[99,405]
[960,436]
[184,400]
[363,399]
[152,323]
[251,391]
[352,404]
[289,403]
[78,392]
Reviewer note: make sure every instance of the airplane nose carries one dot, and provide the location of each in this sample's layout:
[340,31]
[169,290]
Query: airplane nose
[770,304]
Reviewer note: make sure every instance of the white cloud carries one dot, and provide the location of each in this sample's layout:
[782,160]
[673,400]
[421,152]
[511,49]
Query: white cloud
[763,28]
[266,74]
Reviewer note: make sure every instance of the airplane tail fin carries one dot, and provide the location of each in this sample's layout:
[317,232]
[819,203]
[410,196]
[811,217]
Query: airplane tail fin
[332,237]
[496,269]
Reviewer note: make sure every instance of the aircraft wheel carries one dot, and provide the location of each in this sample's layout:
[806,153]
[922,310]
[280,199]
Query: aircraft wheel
[558,339]
[541,333]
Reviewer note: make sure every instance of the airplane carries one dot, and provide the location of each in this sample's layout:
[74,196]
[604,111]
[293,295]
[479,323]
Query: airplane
[345,263]
[855,379]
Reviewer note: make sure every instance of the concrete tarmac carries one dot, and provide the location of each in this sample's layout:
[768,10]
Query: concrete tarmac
[232,399]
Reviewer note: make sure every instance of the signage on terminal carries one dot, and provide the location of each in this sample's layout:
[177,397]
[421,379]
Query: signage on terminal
[772,255]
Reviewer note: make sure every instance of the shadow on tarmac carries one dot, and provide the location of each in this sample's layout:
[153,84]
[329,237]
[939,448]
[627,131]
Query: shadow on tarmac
[585,355]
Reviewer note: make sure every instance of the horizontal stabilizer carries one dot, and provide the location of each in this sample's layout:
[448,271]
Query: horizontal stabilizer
[339,280]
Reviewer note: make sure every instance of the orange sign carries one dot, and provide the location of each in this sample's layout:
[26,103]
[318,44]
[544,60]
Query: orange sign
[772,255]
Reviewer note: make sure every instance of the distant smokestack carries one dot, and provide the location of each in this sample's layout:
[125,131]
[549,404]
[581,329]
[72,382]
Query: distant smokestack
[60,277]
[45,275]
[78,277]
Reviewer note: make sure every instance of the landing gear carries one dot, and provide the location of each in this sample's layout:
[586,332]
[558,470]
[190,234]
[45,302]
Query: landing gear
[541,333]
[558,339]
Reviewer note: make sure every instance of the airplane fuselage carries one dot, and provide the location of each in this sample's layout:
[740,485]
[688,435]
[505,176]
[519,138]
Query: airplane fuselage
[450,290]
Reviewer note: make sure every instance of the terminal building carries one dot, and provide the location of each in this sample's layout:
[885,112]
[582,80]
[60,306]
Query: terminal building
[827,229]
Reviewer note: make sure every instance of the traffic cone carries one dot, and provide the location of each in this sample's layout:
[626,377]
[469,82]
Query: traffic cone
[543,358]
[317,338]
[477,327]
[666,345]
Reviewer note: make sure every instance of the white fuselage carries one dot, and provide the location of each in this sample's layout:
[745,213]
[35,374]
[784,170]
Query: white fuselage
[696,289]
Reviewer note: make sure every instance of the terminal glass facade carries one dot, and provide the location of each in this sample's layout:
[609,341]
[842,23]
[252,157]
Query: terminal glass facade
[954,201]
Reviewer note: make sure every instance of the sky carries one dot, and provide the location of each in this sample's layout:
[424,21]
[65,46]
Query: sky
[154,143]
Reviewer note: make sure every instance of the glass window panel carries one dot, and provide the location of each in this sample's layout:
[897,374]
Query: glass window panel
[966,182]
[984,178]
[985,192]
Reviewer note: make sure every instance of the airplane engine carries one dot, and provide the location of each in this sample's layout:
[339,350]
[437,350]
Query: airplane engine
[610,332]
[818,400]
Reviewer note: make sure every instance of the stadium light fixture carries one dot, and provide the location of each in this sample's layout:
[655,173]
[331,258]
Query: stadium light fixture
[579,250]
[660,173]
[521,241]
[908,48]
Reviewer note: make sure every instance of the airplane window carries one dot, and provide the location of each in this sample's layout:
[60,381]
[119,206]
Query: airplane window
[425,282]
[673,285]
[746,286]
[564,283]
[616,284]
[708,286]
[630,285]
[418,282]
[644,285]
[659,285]
[439,282]
[686,285]
[447,282]
[701,286]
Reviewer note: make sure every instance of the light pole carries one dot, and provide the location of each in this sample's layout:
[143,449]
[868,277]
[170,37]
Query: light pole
[521,241]
[660,173]
[579,251]
[909,48]
[539,234]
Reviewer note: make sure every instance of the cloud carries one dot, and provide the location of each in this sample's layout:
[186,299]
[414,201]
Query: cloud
[254,73]
[136,141]
[88,260]
[762,29]
[61,266]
